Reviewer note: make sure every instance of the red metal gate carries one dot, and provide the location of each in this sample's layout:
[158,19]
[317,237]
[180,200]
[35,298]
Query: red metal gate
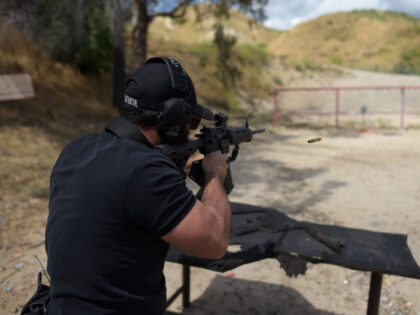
[337,90]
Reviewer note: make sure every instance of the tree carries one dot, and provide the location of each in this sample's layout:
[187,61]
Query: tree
[228,71]
[74,31]
[117,20]
[146,11]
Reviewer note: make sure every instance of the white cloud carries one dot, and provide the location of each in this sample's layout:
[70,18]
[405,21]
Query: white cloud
[297,20]
[411,7]
[283,14]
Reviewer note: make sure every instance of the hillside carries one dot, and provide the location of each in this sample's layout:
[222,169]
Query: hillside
[370,40]
[196,27]
[190,40]
[367,39]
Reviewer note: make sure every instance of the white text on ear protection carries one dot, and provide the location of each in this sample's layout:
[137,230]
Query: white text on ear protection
[174,131]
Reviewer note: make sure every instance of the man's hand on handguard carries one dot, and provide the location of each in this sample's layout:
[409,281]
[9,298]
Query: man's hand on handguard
[204,232]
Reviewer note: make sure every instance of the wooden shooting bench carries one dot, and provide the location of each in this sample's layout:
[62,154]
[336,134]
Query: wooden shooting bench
[268,233]
[17,86]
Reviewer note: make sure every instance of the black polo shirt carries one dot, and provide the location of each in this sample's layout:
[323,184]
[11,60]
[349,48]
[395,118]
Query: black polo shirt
[111,200]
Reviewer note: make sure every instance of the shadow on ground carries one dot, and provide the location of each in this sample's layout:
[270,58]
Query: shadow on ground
[226,296]
[285,188]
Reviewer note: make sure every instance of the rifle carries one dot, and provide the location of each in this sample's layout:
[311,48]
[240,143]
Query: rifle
[221,137]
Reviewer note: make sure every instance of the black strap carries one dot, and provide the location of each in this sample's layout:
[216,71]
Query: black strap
[176,73]
[37,305]
[125,129]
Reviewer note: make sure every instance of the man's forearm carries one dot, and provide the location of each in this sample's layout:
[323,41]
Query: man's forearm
[214,196]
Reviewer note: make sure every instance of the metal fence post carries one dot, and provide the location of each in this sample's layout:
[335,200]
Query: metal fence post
[337,108]
[275,107]
[402,108]
[374,293]
[186,285]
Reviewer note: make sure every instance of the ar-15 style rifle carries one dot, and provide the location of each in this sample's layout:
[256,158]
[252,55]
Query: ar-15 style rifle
[208,140]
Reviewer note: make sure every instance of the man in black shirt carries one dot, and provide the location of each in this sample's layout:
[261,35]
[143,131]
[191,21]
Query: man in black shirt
[116,203]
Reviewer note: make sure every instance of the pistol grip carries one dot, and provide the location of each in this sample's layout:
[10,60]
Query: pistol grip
[197,175]
[228,182]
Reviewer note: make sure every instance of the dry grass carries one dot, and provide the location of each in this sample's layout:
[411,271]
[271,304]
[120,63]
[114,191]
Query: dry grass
[27,155]
[63,94]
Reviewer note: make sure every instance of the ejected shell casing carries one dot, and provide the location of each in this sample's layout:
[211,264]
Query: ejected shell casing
[314,140]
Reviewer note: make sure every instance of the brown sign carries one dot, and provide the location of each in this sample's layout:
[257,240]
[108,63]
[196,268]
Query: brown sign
[16,87]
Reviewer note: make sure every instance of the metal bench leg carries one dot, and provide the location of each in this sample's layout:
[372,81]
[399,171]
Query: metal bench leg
[184,289]
[374,293]
[186,272]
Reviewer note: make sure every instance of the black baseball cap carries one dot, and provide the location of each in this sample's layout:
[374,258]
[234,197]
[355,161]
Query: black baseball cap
[158,80]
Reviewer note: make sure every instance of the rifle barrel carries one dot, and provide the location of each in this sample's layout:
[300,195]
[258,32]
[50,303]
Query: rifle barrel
[259,130]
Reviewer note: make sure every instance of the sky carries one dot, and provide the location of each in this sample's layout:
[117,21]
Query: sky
[284,14]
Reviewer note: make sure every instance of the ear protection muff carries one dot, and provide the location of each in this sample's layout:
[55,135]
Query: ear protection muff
[173,121]
[175,113]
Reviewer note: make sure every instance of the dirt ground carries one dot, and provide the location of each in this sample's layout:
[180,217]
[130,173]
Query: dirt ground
[367,181]
[360,180]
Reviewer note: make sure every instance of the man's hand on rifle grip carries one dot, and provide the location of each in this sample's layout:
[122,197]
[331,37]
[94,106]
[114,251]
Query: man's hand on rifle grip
[215,164]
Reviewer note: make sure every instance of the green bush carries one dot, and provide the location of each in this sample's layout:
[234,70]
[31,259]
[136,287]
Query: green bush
[411,31]
[179,21]
[55,27]
[372,14]
[204,53]
[278,81]
[96,53]
[336,59]
[410,62]
[311,65]
[254,54]
[307,64]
